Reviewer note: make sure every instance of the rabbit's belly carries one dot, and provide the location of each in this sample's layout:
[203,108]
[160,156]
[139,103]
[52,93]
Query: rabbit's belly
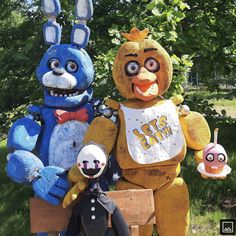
[66,142]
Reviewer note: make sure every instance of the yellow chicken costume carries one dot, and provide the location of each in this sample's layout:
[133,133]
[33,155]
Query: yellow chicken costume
[152,136]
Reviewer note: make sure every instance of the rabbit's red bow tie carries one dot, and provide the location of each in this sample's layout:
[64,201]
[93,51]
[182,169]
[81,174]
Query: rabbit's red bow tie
[63,116]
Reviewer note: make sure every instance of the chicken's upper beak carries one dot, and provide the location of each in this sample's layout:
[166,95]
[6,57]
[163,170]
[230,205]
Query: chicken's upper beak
[145,85]
[144,77]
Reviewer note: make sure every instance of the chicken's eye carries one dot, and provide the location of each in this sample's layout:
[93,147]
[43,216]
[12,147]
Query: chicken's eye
[152,65]
[132,68]
[221,157]
[210,157]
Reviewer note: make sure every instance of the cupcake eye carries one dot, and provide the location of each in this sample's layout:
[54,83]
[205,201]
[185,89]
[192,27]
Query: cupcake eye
[221,157]
[152,65]
[210,157]
[131,68]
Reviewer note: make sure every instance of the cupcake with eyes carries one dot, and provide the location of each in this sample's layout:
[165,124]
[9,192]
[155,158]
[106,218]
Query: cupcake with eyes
[214,160]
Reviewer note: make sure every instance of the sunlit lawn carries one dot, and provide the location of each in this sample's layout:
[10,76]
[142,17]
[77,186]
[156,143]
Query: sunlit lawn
[224,105]
[222,100]
[206,197]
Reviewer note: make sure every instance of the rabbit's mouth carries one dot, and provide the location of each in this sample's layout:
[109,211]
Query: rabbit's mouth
[56,92]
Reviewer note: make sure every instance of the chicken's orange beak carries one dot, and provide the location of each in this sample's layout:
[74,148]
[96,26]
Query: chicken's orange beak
[145,85]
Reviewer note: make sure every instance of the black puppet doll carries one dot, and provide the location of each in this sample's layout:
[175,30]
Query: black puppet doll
[91,210]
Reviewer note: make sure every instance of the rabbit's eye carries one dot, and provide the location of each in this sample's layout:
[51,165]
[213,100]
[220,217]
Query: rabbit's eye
[54,63]
[71,66]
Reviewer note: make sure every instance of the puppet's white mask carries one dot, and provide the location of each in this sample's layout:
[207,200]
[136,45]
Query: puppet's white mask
[91,161]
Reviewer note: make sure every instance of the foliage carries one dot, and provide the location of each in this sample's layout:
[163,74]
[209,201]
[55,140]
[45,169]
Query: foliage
[163,20]
[20,47]
[22,44]
[209,30]
[191,31]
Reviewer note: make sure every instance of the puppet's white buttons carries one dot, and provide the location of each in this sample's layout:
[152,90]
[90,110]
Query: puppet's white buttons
[92,208]
[92,200]
[93,217]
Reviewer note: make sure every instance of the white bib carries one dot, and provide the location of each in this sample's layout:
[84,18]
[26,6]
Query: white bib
[153,134]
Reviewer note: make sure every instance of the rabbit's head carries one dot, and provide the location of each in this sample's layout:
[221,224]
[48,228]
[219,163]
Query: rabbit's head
[66,71]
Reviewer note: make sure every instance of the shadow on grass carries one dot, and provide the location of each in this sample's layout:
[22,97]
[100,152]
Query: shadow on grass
[206,198]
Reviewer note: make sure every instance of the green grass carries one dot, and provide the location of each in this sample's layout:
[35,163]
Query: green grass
[222,95]
[206,198]
[206,223]
[14,203]
[223,100]
[225,106]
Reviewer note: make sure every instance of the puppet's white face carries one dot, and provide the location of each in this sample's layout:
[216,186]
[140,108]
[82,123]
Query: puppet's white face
[91,161]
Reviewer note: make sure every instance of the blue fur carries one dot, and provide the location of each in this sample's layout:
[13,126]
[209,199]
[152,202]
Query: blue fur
[49,186]
[89,8]
[84,75]
[34,110]
[86,30]
[48,127]
[23,134]
[57,6]
[49,182]
[22,163]
[23,166]
[57,28]
[26,134]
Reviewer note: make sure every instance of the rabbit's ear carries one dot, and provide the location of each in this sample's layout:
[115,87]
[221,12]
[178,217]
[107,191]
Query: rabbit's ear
[80,35]
[80,32]
[52,33]
[51,29]
[51,8]
[84,9]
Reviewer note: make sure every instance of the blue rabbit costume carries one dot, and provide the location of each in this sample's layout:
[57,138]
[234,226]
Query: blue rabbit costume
[44,144]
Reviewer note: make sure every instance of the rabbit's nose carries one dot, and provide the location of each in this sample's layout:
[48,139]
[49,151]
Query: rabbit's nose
[58,71]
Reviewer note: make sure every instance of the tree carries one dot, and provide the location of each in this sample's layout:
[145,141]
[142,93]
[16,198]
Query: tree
[209,34]
[188,30]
